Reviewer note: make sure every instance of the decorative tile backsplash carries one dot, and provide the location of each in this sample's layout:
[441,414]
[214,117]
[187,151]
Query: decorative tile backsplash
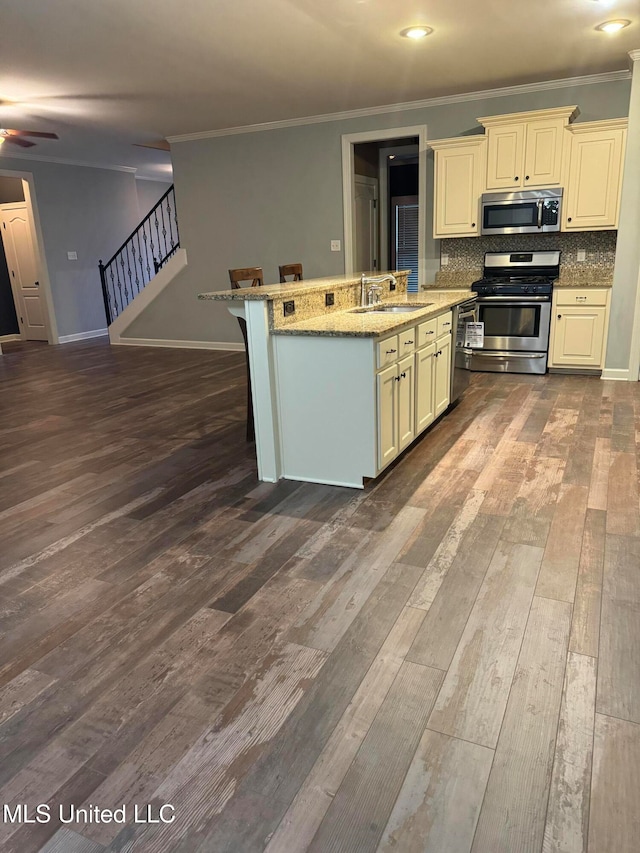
[467,253]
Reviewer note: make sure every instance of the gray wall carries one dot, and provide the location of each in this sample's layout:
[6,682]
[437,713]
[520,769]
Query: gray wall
[10,190]
[86,210]
[149,192]
[263,199]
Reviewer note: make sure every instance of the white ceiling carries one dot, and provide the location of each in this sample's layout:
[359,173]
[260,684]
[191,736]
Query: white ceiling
[106,74]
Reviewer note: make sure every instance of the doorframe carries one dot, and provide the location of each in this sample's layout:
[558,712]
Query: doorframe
[28,185]
[375,183]
[348,142]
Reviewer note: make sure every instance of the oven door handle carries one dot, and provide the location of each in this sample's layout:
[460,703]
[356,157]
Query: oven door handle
[510,300]
[468,314]
[540,206]
[484,354]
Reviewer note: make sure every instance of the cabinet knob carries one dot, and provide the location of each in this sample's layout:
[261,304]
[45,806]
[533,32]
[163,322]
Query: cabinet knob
[568,219]
[473,224]
[403,375]
[526,177]
[559,316]
[516,178]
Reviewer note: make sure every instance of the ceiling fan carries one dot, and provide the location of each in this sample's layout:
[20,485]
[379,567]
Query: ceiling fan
[17,137]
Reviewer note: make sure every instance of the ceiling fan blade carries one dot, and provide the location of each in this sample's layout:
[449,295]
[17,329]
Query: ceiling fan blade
[38,133]
[16,140]
[160,145]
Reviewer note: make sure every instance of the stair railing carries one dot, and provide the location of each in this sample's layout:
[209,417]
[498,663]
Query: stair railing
[141,256]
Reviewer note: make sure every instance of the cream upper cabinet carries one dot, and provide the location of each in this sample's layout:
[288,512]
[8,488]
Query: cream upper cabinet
[525,149]
[460,165]
[596,156]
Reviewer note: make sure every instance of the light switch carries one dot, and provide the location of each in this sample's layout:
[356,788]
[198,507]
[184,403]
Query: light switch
[582,255]
[72,256]
[335,245]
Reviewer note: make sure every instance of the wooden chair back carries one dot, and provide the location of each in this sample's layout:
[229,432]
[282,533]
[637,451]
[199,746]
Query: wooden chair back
[290,269]
[252,274]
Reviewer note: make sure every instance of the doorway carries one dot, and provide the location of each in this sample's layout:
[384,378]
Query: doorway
[26,310]
[383,229]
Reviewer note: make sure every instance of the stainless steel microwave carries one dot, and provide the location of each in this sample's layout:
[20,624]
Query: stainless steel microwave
[526,212]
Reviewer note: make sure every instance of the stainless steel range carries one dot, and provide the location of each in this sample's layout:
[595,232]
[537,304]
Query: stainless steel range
[514,303]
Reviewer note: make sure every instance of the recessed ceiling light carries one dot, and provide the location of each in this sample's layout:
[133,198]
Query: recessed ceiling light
[416,32]
[613,26]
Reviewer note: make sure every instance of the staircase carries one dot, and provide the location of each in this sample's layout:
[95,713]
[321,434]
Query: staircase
[140,257]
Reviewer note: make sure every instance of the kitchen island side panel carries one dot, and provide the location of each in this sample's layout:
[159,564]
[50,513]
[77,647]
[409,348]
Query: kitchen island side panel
[327,408]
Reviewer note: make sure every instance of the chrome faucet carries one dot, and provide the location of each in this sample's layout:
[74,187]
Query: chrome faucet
[373,280]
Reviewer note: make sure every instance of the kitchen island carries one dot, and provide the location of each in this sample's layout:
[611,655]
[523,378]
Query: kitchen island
[340,390]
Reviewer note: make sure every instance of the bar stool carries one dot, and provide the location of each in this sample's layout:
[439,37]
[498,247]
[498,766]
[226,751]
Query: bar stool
[290,269]
[255,276]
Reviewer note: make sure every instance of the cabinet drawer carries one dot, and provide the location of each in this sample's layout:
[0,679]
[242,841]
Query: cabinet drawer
[387,351]
[407,341]
[445,322]
[427,332]
[582,295]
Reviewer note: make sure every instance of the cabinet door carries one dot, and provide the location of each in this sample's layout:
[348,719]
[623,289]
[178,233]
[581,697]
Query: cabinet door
[505,156]
[543,153]
[458,177]
[442,374]
[595,171]
[578,339]
[406,402]
[387,388]
[425,410]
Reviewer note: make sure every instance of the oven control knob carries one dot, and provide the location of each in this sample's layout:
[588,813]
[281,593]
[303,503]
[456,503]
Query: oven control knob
[525,289]
[494,290]
[534,290]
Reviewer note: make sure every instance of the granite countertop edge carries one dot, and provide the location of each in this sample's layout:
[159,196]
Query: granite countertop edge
[587,281]
[352,324]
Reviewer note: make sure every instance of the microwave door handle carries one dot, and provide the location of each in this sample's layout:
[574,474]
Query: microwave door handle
[540,206]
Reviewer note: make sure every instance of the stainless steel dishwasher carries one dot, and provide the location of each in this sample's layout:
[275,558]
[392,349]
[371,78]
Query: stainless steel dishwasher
[466,312]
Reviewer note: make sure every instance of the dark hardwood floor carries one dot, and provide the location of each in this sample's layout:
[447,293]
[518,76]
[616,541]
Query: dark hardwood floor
[448,661]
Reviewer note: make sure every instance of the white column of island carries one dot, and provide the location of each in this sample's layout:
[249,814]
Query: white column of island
[340,390]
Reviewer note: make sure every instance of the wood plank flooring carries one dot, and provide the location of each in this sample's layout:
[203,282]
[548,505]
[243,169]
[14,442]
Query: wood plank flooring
[445,662]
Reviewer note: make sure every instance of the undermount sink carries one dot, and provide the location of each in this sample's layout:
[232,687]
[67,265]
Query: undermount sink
[392,309]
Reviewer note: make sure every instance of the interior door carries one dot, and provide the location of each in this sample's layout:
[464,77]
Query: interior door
[366,225]
[19,248]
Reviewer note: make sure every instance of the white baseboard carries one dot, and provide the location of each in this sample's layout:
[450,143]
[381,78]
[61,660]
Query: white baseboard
[155,342]
[5,339]
[83,336]
[619,375]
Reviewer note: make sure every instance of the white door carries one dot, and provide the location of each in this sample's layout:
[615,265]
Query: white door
[19,248]
[365,223]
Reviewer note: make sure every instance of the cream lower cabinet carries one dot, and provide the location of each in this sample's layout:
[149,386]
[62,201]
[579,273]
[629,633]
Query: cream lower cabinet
[442,374]
[579,323]
[347,406]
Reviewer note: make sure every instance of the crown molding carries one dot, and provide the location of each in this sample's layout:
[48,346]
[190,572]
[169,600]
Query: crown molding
[63,162]
[457,141]
[602,124]
[564,83]
[634,56]
[566,113]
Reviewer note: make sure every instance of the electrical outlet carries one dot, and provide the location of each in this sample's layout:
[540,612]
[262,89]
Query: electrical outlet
[335,245]
[72,256]
[329,299]
[289,307]
[444,260]
[582,255]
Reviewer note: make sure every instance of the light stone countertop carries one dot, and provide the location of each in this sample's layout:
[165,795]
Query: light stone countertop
[289,289]
[591,279]
[367,324]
